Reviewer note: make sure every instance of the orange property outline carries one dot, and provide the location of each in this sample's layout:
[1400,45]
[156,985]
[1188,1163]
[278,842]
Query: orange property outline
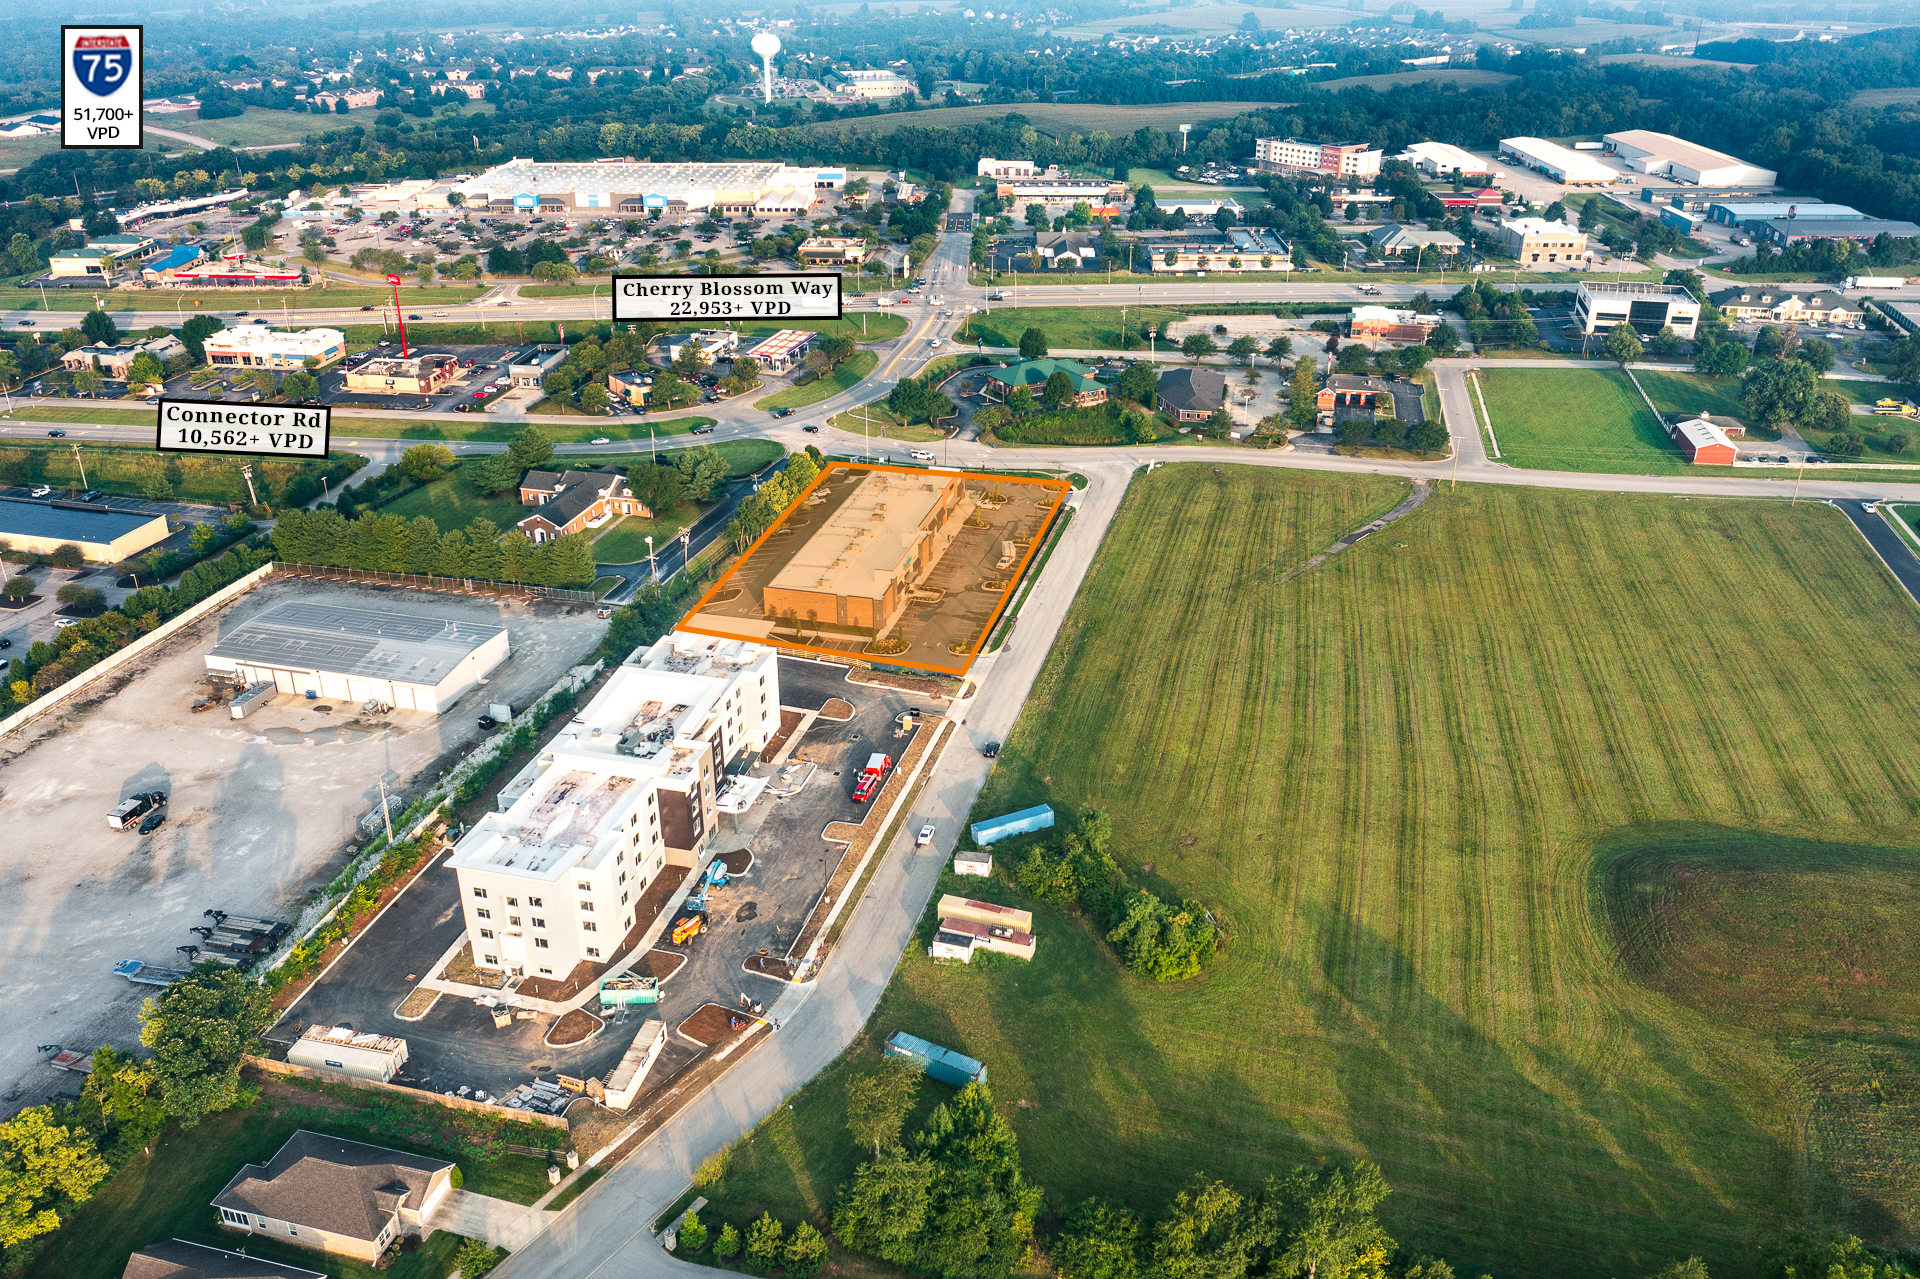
[1061,489]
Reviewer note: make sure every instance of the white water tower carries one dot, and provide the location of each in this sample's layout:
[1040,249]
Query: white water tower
[766,44]
[1185,129]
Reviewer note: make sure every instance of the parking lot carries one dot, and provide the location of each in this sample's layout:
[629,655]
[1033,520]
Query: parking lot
[261,810]
[456,1044]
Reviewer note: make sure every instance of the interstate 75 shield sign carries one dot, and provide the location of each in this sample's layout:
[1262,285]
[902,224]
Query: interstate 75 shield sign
[101,74]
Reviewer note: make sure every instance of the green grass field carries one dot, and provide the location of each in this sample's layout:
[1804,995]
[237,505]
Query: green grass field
[1392,781]
[265,302]
[873,421]
[1579,420]
[108,414]
[1068,328]
[453,503]
[625,540]
[256,126]
[844,378]
[1693,393]
[484,427]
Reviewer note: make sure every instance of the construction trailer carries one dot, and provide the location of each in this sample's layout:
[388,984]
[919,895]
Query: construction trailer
[944,1064]
[1026,821]
[988,913]
[980,864]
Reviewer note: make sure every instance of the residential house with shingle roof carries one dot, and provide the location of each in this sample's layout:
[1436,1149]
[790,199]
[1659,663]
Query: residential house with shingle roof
[570,501]
[178,1259]
[335,1195]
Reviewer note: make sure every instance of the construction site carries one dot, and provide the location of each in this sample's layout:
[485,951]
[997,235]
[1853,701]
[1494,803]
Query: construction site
[898,565]
[263,796]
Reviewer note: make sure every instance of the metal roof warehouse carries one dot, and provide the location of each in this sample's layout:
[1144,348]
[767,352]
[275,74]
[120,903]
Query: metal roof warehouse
[404,660]
[101,534]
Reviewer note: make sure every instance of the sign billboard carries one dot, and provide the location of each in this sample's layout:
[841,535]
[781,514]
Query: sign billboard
[790,295]
[101,76]
[264,430]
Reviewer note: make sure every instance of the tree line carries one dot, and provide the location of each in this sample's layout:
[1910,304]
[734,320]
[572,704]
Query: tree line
[391,544]
[781,489]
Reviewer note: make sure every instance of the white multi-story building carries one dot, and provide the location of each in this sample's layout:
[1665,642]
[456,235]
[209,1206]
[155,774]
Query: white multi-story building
[1647,308]
[255,346]
[992,168]
[878,84]
[1304,155]
[624,792]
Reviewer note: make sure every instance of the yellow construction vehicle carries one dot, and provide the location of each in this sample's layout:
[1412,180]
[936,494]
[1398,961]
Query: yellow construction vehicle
[687,929]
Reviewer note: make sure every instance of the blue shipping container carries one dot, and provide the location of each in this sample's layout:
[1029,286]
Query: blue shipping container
[944,1064]
[994,829]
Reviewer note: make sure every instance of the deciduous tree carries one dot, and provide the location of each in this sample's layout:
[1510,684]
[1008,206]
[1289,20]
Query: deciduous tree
[878,1103]
[199,1028]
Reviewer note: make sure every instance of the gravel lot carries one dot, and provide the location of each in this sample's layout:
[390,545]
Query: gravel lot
[260,813]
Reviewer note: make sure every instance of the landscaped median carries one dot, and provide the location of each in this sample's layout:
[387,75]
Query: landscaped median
[812,390]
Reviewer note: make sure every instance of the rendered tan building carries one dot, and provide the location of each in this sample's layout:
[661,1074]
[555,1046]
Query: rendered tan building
[861,567]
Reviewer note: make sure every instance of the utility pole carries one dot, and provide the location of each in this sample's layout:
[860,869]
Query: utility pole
[385,816]
[81,465]
[246,473]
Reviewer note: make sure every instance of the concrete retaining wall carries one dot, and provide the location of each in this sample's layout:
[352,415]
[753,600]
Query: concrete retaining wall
[417,1094]
[114,661]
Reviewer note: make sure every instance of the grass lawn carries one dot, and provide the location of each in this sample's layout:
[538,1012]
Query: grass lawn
[453,503]
[873,420]
[109,414]
[1068,328]
[1693,393]
[265,301]
[845,377]
[1579,420]
[255,127]
[625,540]
[125,470]
[572,429]
[1390,780]
[167,1195]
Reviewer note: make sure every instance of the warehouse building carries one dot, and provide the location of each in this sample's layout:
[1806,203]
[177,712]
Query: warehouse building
[256,346]
[1664,156]
[555,878]
[104,535]
[404,660]
[1741,212]
[861,566]
[1782,232]
[1443,159]
[1305,155]
[1246,249]
[1562,165]
[1053,189]
[627,187]
[1597,307]
[877,85]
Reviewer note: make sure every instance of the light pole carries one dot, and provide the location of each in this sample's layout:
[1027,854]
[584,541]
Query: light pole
[651,571]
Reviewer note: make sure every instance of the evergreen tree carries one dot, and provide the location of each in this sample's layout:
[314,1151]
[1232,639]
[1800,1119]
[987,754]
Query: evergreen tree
[517,561]
[423,542]
[573,563]
[450,555]
[483,551]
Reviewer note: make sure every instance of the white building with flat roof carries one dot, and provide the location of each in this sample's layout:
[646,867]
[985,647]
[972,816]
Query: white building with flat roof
[630,187]
[1567,167]
[408,661]
[1440,159]
[1665,156]
[256,346]
[1306,155]
[625,791]
[1599,306]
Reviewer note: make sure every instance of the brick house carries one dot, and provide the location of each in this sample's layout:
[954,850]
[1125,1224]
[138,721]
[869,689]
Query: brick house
[570,501]
[1192,394]
[1348,395]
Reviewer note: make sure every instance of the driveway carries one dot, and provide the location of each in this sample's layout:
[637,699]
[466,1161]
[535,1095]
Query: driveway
[500,1222]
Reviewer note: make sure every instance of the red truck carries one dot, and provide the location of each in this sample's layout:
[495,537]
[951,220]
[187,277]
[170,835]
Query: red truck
[872,778]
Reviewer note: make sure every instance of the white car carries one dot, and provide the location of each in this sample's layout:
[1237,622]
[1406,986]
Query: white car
[920,455]
[933,341]
[925,837]
[600,439]
[62,623]
[439,315]
[43,490]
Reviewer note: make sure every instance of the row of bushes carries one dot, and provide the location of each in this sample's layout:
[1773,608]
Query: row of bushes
[305,955]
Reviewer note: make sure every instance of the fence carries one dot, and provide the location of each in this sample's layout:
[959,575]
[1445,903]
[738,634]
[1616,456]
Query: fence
[415,1094]
[87,678]
[455,585]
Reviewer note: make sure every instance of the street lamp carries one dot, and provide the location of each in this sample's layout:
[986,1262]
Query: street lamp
[651,571]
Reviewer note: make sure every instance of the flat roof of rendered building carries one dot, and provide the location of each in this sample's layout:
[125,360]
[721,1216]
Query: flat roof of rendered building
[862,545]
[41,519]
[364,642]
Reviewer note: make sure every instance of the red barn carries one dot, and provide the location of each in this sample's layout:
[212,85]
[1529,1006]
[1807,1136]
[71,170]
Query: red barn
[1702,442]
